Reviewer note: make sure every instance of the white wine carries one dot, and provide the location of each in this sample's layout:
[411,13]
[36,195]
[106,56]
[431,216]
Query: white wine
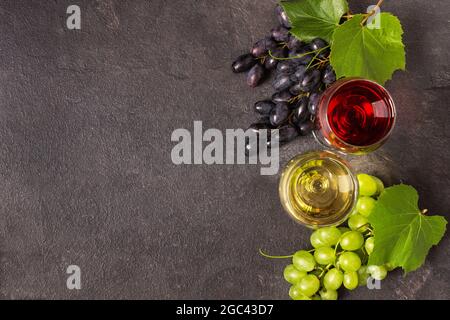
[318,189]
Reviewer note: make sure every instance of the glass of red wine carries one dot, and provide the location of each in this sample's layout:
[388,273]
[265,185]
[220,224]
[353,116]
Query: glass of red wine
[354,116]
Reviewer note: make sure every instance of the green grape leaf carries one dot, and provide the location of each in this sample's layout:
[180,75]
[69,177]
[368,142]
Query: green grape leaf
[403,234]
[314,18]
[371,53]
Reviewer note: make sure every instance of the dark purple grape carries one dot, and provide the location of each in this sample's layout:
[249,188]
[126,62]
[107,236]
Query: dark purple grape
[255,75]
[279,114]
[280,34]
[271,62]
[313,102]
[301,112]
[263,118]
[264,107]
[294,43]
[328,75]
[283,96]
[262,46]
[324,53]
[257,126]
[317,44]
[297,76]
[311,80]
[243,63]
[281,82]
[296,89]
[287,133]
[282,17]
[306,128]
[286,67]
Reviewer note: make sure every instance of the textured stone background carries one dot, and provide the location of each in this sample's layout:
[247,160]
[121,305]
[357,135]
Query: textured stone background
[85,170]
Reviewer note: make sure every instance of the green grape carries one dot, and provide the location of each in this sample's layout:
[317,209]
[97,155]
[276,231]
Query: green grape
[363,275]
[329,235]
[377,272]
[350,280]
[365,205]
[309,285]
[333,279]
[369,245]
[352,240]
[358,222]
[316,241]
[367,185]
[324,255]
[292,275]
[328,294]
[349,261]
[353,212]
[380,185]
[296,294]
[304,261]
[316,297]
[389,266]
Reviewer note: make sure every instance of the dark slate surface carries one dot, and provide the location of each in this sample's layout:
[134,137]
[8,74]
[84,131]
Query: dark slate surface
[85,170]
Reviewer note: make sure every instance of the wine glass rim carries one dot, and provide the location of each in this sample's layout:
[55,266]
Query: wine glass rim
[392,104]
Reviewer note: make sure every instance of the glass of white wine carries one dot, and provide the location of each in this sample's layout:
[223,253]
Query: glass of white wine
[318,189]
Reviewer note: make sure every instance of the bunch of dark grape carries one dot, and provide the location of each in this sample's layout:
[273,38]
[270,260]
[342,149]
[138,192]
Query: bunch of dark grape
[301,71]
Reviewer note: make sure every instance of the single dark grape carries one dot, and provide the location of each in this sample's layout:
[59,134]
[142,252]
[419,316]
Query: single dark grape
[243,63]
[324,54]
[255,75]
[280,34]
[283,96]
[314,99]
[287,133]
[299,73]
[301,112]
[279,114]
[317,44]
[271,61]
[294,43]
[281,82]
[296,89]
[328,75]
[263,118]
[306,128]
[311,80]
[257,126]
[262,46]
[264,107]
[286,67]
[282,17]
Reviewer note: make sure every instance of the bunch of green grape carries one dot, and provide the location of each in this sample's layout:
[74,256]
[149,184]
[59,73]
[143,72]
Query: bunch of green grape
[340,254]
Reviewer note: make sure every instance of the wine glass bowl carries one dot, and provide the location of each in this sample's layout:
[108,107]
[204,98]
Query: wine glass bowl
[354,116]
[318,189]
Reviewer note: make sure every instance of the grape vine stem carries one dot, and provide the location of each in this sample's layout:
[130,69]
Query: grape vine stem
[274,257]
[372,12]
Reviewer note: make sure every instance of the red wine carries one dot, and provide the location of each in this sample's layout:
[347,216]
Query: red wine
[359,113]
[355,116]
